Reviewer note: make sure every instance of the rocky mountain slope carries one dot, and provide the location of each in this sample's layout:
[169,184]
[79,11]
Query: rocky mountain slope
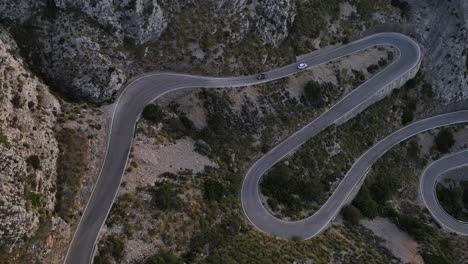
[87,49]
[28,148]
[84,49]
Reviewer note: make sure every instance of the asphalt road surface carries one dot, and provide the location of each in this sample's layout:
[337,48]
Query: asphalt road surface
[144,89]
[427,188]
[313,225]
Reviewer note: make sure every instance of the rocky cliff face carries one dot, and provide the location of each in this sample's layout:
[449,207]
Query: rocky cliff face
[275,17]
[441,27]
[81,61]
[137,19]
[28,148]
[85,48]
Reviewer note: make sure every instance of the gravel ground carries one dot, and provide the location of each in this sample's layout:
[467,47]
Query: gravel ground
[397,241]
[154,158]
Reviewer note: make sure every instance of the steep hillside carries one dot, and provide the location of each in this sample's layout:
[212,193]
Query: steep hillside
[28,150]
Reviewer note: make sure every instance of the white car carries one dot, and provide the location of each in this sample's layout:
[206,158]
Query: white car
[302,66]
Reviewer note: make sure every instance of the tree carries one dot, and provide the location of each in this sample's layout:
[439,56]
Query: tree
[113,247]
[366,204]
[213,190]
[351,214]
[153,113]
[407,116]
[444,140]
[404,7]
[373,68]
[313,92]
[427,91]
[165,198]
[34,161]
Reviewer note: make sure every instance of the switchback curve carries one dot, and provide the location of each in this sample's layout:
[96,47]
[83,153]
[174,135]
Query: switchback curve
[144,89]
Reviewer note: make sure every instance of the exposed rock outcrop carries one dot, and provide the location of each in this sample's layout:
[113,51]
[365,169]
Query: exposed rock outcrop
[82,62]
[28,148]
[275,17]
[138,19]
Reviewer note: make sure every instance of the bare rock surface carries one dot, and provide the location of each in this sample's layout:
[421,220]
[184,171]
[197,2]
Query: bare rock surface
[27,117]
[397,241]
[274,20]
[140,20]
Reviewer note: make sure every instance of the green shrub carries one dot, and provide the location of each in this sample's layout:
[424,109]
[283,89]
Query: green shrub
[359,77]
[153,112]
[313,92]
[426,90]
[407,116]
[351,214]
[164,197]
[110,247]
[373,68]
[434,259]
[444,140]
[415,227]
[34,161]
[366,204]
[404,7]
[3,139]
[382,62]
[289,189]
[213,190]
[32,198]
[453,200]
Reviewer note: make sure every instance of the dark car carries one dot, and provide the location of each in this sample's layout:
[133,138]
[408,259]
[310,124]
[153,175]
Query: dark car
[261,76]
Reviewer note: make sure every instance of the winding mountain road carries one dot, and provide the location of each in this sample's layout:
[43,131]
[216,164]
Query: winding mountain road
[313,225]
[429,178]
[144,89]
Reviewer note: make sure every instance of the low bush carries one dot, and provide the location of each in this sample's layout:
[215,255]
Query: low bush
[213,190]
[34,161]
[3,139]
[373,68]
[164,197]
[110,248]
[415,227]
[351,214]
[153,112]
[444,140]
[313,92]
[454,200]
[404,7]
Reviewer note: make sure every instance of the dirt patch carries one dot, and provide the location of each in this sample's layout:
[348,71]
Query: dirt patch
[155,157]
[397,241]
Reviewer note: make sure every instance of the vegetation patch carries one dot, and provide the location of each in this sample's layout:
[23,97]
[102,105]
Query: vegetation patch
[165,197]
[454,199]
[71,165]
[3,139]
[444,140]
[112,247]
[34,161]
[351,214]
[153,112]
[309,175]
